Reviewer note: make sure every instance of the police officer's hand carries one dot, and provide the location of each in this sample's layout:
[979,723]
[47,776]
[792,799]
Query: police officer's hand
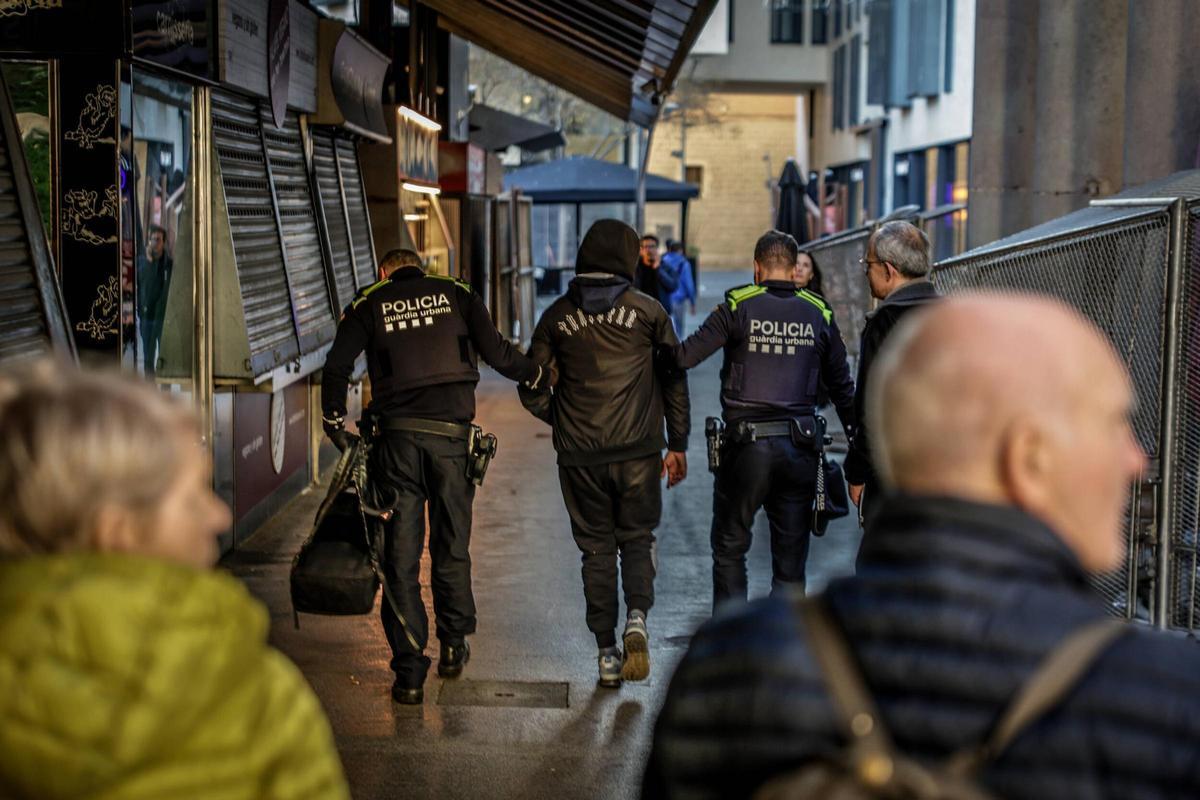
[674,467]
[855,493]
[335,429]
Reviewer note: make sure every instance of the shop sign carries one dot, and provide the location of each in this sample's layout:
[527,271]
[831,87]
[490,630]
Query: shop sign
[351,74]
[302,93]
[51,28]
[416,147]
[279,58]
[173,33]
[242,59]
[270,440]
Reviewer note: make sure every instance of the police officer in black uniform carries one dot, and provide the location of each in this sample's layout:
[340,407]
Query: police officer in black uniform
[780,344]
[422,334]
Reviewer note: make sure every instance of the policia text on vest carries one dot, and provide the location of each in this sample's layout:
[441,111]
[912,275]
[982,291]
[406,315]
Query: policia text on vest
[422,335]
[782,350]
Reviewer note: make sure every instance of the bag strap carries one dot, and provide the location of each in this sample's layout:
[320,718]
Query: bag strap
[872,751]
[1049,685]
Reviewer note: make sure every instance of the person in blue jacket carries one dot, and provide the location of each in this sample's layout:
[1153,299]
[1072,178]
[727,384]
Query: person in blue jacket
[678,271]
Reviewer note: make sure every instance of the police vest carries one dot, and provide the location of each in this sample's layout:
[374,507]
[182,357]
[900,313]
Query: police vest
[420,336]
[775,363]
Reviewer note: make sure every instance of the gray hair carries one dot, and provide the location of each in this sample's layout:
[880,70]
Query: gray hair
[72,442]
[904,246]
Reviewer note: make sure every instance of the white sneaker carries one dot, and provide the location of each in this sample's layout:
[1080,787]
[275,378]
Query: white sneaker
[610,661]
[637,648]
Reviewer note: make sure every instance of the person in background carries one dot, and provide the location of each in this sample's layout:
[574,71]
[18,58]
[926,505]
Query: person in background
[1010,470]
[648,277]
[153,282]
[128,667]
[608,411]
[807,274]
[677,301]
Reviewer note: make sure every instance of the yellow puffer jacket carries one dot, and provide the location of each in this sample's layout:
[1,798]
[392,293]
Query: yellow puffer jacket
[124,678]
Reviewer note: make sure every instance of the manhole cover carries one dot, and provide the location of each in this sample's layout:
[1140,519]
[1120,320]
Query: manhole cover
[504,694]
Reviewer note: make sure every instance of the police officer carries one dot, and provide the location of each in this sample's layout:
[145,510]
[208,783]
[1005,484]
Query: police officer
[780,343]
[422,334]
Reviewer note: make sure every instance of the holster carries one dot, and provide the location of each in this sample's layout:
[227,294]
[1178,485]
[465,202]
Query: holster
[714,434]
[808,432]
[481,449]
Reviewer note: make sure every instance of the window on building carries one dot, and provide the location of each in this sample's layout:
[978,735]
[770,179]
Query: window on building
[839,87]
[787,21]
[911,50]
[948,86]
[694,174]
[837,18]
[855,77]
[820,21]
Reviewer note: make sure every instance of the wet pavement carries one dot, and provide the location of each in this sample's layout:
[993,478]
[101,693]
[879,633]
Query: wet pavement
[526,720]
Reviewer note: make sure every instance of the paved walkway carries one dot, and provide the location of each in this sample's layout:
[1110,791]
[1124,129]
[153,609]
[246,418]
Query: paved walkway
[531,637]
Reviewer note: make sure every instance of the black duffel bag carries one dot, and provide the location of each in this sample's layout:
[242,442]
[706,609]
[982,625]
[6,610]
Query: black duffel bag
[332,573]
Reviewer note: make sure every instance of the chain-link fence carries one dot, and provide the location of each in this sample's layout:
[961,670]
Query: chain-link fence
[1131,264]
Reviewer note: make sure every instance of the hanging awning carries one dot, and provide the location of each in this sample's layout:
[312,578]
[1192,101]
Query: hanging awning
[493,129]
[588,180]
[616,54]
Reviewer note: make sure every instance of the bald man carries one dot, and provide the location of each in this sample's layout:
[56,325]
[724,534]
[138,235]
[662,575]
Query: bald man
[1011,467]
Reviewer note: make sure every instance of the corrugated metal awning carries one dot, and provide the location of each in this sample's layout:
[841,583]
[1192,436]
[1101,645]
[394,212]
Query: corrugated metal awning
[616,54]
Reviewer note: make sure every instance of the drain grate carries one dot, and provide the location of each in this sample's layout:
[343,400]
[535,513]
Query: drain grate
[504,694]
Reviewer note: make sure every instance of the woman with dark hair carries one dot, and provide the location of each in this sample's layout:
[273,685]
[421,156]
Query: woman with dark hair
[807,275]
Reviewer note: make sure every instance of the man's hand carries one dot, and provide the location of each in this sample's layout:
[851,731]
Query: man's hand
[856,493]
[335,429]
[674,467]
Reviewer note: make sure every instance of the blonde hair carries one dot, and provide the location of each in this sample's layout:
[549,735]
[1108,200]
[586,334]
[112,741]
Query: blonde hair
[75,442]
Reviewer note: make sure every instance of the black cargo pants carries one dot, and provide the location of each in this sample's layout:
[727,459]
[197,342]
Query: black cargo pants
[614,509]
[425,469]
[770,473]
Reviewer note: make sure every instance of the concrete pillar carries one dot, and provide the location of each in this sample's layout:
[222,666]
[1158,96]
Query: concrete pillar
[1080,132]
[1162,95]
[1004,118]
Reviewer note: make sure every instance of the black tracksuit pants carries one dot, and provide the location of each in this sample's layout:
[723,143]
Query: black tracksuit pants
[425,469]
[614,509]
[770,473]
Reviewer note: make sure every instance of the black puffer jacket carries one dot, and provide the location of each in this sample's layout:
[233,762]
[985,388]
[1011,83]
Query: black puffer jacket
[954,606]
[609,342]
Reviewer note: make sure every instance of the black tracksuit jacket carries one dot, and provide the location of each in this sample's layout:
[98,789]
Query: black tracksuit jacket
[611,344]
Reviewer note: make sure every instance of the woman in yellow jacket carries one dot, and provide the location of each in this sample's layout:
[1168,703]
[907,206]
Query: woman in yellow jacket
[128,668]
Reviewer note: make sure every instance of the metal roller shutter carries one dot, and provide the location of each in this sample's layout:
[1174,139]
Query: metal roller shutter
[301,237]
[32,319]
[266,299]
[356,211]
[329,187]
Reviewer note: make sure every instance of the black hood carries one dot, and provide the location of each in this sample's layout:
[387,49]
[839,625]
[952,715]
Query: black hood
[596,294]
[609,246]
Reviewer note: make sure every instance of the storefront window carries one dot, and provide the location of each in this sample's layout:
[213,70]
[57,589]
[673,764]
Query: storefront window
[29,86]
[156,224]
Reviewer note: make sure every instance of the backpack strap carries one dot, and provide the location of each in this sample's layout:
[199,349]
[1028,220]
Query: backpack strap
[871,748]
[1058,674]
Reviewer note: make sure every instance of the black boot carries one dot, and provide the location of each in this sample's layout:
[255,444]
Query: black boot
[453,658]
[407,695]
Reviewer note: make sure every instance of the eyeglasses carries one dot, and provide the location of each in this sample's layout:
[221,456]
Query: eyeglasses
[866,263]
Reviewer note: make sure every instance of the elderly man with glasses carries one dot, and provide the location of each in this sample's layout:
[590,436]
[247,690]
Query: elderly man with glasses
[896,266]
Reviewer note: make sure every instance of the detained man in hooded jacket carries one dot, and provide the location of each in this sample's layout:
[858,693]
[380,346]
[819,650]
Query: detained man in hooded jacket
[608,411]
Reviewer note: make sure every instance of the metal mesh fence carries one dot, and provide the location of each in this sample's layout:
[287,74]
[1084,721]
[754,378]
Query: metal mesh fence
[1114,272]
[1185,500]
[842,281]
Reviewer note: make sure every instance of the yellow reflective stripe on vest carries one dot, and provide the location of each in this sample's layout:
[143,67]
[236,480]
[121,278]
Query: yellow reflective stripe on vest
[818,302]
[460,284]
[742,294]
[363,295]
